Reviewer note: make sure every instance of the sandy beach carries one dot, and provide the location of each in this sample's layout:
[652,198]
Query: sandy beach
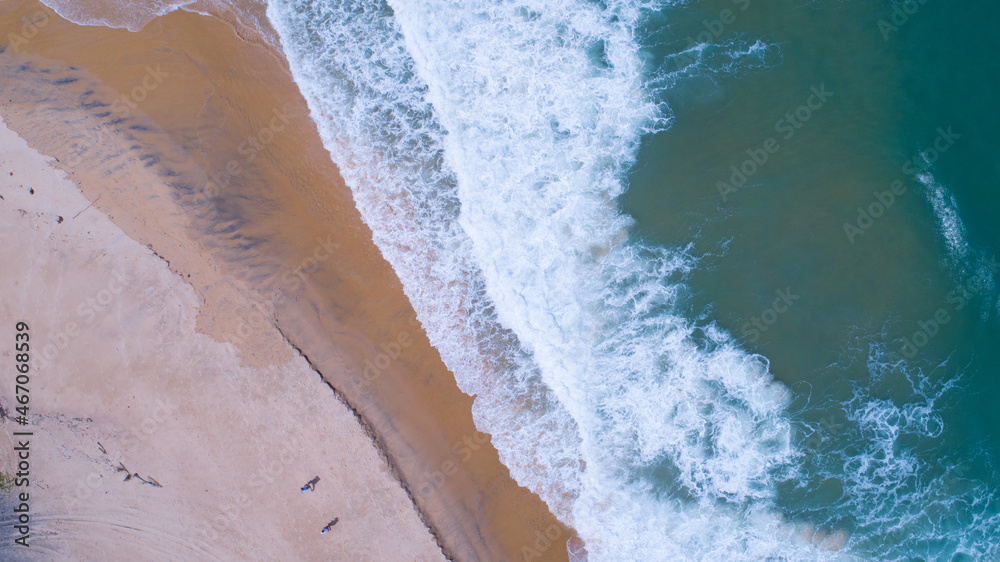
[215,452]
[252,323]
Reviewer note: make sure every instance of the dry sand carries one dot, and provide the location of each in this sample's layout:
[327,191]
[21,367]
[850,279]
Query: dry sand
[198,145]
[127,371]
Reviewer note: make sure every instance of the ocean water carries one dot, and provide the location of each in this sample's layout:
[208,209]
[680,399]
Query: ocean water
[885,331]
[721,274]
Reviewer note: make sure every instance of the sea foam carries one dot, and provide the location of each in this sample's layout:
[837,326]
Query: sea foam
[971,267]
[244,15]
[121,15]
[904,491]
[486,145]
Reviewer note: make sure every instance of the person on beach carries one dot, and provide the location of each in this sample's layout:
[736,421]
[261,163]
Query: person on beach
[310,485]
[330,526]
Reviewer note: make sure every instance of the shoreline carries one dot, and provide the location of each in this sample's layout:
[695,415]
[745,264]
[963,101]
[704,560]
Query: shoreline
[205,151]
[148,439]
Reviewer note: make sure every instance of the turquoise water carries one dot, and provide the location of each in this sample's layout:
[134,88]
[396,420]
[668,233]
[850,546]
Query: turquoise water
[899,436]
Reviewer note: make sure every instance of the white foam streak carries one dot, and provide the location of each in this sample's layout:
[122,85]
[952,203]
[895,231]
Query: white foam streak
[974,269]
[119,15]
[946,211]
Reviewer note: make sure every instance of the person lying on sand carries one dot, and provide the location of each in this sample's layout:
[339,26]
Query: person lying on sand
[330,526]
[310,485]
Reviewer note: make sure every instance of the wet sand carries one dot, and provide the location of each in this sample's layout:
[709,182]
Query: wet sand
[198,144]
